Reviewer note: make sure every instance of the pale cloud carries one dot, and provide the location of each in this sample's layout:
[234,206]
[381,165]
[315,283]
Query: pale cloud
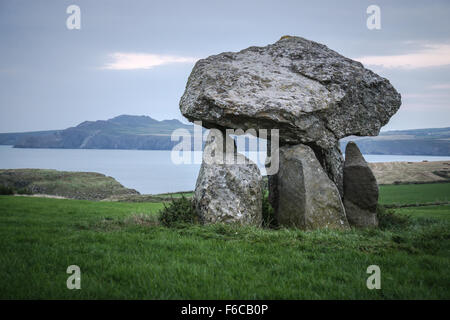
[425,95]
[441,86]
[424,107]
[430,55]
[133,61]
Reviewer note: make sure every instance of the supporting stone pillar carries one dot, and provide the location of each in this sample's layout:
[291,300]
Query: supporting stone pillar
[229,185]
[360,189]
[332,162]
[301,193]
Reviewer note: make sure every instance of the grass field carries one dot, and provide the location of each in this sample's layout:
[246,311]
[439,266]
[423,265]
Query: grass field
[433,212]
[124,253]
[415,193]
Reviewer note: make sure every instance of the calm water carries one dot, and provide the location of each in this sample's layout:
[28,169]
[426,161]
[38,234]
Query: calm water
[148,171]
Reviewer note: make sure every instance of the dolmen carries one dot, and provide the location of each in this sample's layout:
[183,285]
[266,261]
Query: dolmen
[314,97]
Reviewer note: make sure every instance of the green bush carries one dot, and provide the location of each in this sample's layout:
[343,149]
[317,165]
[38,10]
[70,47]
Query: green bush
[179,211]
[6,190]
[267,213]
[388,219]
[24,191]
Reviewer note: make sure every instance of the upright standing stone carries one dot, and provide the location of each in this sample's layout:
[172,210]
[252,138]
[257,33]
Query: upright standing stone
[360,189]
[227,191]
[301,193]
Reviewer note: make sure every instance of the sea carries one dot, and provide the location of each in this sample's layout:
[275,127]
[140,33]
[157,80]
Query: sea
[147,171]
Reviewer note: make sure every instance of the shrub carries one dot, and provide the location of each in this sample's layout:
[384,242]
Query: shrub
[179,211]
[387,218]
[6,190]
[267,212]
[24,191]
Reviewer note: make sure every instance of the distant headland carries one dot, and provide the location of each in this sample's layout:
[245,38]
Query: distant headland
[145,133]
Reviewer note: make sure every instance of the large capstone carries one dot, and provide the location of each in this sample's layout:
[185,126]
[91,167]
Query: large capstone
[229,185]
[301,193]
[312,94]
[360,189]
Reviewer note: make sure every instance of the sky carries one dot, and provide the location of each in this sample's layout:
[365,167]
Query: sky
[134,57]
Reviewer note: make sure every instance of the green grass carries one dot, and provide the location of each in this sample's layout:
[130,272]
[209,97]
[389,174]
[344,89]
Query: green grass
[433,212]
[414,193]
[124,253]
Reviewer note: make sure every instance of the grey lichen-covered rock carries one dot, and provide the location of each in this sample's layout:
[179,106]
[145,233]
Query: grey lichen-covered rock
[226,191]
[301,193]
[312,94]
[360,189]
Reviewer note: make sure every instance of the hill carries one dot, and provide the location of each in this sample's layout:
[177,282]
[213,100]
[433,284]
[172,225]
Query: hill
[146,133]
[14,138]
[435,142]
[74,185]
[122,132]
